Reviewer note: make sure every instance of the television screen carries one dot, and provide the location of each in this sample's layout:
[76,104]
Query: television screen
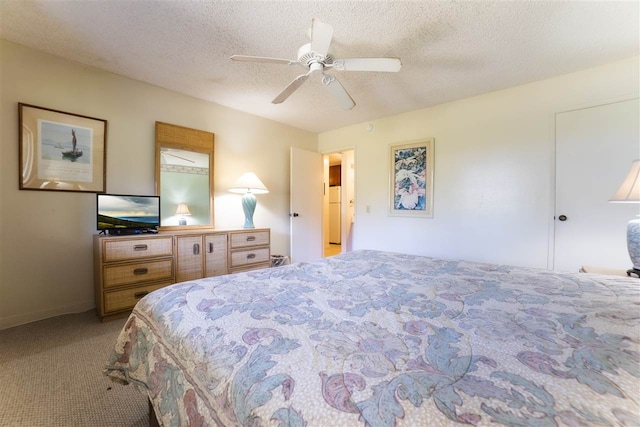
[122,212]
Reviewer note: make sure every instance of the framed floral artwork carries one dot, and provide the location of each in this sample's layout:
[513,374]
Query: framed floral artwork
[61,151]
[411,179]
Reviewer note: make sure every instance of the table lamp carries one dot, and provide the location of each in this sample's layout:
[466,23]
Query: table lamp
[629,192]
[249,185]
[183,210]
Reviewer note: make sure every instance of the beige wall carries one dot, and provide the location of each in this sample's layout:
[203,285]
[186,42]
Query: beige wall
[494,169]
[46,237]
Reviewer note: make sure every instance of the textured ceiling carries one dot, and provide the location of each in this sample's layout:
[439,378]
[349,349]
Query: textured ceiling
[449,50]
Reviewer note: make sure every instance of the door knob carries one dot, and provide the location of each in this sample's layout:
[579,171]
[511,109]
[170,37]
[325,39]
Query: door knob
[295,214]
[562,217]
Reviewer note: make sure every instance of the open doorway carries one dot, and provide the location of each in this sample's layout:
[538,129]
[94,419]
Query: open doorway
[338,212]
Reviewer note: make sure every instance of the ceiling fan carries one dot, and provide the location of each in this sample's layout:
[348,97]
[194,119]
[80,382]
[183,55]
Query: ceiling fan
[164,152]
[315,57]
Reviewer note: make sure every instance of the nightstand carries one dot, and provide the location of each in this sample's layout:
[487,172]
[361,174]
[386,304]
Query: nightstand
[602,270]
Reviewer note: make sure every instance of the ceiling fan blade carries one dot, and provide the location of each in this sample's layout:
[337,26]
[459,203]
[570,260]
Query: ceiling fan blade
[390,65]
[244,58]
[177,157]
[321,35]
[290,89]
[338,91]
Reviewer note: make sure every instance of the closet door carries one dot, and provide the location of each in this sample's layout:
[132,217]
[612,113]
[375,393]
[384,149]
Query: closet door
[594,150]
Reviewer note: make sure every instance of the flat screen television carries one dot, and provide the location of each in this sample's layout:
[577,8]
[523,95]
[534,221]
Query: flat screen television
[127,214]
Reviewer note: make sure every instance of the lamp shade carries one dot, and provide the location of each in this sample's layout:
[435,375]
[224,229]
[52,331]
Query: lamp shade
[183,209]
[629,191]
[249,183]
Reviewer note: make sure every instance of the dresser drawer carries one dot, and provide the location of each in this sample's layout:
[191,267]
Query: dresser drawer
[250,267]
[127,298]
[242,239]
[128,249]
[249,256]
[137,272]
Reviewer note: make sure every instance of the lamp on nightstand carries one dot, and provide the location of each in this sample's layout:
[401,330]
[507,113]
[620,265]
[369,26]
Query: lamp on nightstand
[183,210]
[629,192]
[249,185]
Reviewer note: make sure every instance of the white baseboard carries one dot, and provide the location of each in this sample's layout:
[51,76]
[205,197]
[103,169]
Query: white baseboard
[21,319]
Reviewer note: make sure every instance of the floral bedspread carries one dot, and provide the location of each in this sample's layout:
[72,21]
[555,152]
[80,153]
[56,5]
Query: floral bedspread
[384,339]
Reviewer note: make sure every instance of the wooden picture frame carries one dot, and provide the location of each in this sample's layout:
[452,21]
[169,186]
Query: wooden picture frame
[61,151]
[411,179]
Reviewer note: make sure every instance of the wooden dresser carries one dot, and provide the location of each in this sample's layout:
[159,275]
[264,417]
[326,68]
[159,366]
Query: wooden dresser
[126,268]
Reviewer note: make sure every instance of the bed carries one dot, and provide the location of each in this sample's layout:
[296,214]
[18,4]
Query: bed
[372,338]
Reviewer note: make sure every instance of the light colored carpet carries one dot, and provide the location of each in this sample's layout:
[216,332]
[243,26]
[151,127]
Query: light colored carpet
[51,375]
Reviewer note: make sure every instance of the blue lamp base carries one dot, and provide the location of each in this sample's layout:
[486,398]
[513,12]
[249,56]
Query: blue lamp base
[249,207]
[633,243]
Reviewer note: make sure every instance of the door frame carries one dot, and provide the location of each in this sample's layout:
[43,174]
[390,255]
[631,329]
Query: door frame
[342,207]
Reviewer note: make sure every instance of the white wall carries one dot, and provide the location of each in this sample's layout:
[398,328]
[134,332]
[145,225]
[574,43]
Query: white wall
[46,237]
[494,168]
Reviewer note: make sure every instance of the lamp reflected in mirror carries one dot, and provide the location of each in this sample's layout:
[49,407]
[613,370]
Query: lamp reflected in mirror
[249,185]
[183,212]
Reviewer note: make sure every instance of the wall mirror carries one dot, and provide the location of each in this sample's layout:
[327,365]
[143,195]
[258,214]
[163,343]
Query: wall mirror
[184,177]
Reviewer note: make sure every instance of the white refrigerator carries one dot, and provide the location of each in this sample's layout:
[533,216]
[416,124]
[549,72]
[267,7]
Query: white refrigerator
[334,215]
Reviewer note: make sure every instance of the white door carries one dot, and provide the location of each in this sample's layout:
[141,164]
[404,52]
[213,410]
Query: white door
[594,150]
[306,205]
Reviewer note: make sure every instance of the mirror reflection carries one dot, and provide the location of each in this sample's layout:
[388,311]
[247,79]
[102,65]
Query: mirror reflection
[184,176]
[184,187]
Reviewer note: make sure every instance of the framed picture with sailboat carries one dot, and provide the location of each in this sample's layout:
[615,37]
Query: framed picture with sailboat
[61,151]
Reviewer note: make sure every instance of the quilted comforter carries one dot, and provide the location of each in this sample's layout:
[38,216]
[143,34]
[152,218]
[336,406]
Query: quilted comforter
[373,338]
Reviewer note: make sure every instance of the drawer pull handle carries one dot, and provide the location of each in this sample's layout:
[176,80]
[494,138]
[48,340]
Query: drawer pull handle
[251,256]
[210,247]
[251,238]
[139,295]
[140,247]
[196,248]
[140,271]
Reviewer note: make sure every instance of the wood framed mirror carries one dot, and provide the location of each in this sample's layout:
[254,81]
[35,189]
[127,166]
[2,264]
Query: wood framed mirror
[184,177]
